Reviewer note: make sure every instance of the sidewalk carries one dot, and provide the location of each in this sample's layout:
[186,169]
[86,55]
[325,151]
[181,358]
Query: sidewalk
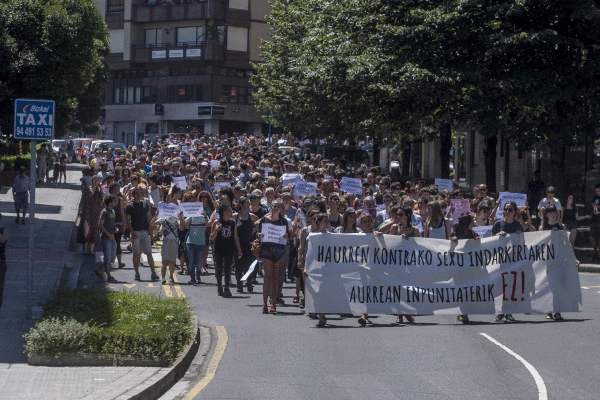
[56,210]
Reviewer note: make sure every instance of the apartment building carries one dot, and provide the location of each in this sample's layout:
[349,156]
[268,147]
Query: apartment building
[182,66]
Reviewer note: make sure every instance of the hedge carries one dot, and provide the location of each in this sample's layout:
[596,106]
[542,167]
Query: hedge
[111,323]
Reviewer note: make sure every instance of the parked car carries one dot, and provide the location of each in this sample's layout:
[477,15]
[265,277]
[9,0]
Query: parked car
[77,148]
[55,144]
[284,149]
[352,155]
[84,149]
[96,144]
[111,145]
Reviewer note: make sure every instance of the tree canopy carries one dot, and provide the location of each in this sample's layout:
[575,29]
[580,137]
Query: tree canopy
[52,49]
[527,70]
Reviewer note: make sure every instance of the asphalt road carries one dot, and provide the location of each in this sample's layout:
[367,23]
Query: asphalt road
[285,356]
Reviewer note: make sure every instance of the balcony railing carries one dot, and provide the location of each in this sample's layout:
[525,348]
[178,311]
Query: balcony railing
[184,11]
[200,51]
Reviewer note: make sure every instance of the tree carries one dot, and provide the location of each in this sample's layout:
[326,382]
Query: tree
[526,70]
[52,49]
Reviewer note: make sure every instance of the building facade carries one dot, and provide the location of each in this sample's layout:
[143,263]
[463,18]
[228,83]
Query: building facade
[182,66]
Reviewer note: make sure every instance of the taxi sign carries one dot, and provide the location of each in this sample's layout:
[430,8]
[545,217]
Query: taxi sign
[34,119]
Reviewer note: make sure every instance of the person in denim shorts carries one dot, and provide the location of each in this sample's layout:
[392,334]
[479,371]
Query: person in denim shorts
[108,229]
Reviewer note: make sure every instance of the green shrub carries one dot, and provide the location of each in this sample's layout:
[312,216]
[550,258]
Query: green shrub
[13,163]
[115,323]
[57,336]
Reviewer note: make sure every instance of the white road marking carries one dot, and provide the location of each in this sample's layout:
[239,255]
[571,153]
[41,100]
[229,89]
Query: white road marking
[585,287]
[543,393]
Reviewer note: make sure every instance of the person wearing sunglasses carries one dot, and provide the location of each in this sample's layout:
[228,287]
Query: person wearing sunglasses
[334,218]
[483,216]
[502,228]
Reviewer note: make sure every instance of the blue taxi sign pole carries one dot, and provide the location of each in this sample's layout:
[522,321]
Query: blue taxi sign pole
[34,119]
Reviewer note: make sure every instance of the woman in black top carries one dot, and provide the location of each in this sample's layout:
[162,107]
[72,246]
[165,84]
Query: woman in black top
[551,223]
[502,228]
[464,230]
[225,236]
[271,254]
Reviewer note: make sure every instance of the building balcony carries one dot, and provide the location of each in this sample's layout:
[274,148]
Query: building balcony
[184,10]
[202,51]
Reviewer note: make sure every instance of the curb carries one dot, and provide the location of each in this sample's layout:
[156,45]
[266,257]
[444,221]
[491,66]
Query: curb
[589,268]
[177,371]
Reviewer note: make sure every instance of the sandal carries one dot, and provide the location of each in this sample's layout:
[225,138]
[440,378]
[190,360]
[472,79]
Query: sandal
[549,316]
[296,299]
[362,321]
[301,305]
[321,323]
[264,310]
[180,272]
[273,309]
[410,319]
[399,319]
[368,321]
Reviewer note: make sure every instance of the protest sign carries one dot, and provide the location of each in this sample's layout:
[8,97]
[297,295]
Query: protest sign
[303,188]
[250,271]
[192,209]
[460,206]
[267,170]
[443,184]
[361,273]
[328,177]
[351,185]
[186,149]
[214,164]
[290,179]
[219,185]
[273,233]
[483,231]
[166,210]
[111,166]
[505,197]
[180,182]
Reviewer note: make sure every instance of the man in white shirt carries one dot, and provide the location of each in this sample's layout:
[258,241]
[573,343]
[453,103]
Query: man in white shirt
[550,199]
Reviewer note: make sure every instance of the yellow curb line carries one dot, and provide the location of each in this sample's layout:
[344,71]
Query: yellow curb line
[222,340]
[168,290]
[178,288]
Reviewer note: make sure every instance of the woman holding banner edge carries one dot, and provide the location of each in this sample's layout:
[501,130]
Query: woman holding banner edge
[502,228]
[405,229]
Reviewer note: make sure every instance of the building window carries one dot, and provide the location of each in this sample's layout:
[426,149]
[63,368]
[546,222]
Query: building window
[234,94]
[127,95]
[154,37]
[191,35]
[237,38]
[185,93]
[224,94]
[115,5]
[238,4]
[117,96]
[242,95]
[150,94]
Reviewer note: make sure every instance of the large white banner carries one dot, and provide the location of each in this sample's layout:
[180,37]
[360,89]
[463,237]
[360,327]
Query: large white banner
[365,273]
